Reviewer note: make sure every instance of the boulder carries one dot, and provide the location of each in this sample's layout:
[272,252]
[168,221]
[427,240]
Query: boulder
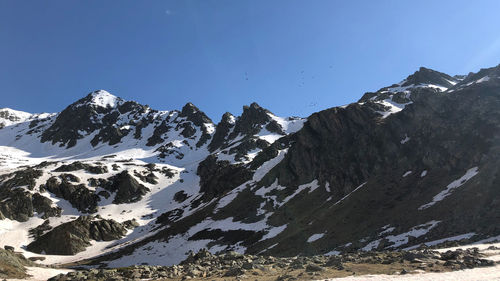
[74,236]
[127,188]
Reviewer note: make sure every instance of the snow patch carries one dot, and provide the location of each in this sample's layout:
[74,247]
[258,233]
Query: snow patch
[405,140]
[343,198]
[436,242]
[387,230]
[273,232]
[315,237]
[332,253]
[392,107]
[289,125]
[372,245]
[416,231]
[449,189]
[104,99]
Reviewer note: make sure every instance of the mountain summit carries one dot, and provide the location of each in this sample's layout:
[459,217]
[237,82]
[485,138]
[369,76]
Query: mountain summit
[103,99]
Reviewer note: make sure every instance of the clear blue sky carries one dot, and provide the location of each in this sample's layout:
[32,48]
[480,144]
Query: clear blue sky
[298,56]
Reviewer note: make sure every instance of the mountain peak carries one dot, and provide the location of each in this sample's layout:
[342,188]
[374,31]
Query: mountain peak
[423,69]
[10,116]
[429,76]
[483,75]
[192,113]
[103,98]
[189,108]
[255,107]
[251,117]
[228,118]
[10,111]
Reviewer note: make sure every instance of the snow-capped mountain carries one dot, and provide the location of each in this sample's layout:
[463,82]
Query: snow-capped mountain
[10,117]
[118,183]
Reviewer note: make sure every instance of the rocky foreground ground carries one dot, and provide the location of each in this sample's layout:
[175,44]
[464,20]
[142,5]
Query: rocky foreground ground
[234,266]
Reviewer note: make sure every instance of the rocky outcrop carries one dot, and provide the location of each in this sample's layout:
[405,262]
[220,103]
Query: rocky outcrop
[199,119]
[222,131]
[80,197]
[146,176]
[127,188]
[13,265]
[74,236]
[330,137]
[19,204]
[45,207]
[16,204]
[251,119]
[156,138]
[77,165]
[470,79]
[429,76]
[239,133]
[218,177]
[38,231]
[109,135]
[26,177]
[427,79]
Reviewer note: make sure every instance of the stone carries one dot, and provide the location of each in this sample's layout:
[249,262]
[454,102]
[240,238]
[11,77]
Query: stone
[313,268]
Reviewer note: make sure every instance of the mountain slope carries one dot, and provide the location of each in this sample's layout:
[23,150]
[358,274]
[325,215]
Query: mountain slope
[409,164]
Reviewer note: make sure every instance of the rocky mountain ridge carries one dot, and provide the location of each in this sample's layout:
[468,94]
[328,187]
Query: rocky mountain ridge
[409,164]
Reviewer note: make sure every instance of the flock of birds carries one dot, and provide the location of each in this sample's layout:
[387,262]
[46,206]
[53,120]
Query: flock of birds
[301,83]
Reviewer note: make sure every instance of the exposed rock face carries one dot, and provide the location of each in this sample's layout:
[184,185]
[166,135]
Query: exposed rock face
[169,217]
[12,265]
[238,135]
[80,197]
[16,204]
[76,118]
[130,224]
[158,132]
[429,76]
[19,204]
[490,73]
[328,138]
[252,116]
[198,118]
[424,78]
[126,187]
[104,114]
[222,131]
[148,177]
[38,231]
[110,135]
[25,177]
[73,237]
[218,177]
[45,207]
[75,166]
[345,148]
